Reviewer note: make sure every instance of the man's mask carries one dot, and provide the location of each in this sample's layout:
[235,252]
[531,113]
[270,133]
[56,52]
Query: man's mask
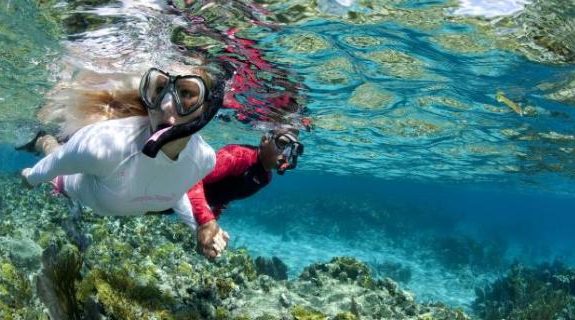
[290,147]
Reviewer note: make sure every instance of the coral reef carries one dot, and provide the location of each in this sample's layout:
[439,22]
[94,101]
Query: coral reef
[393,270]
[147,268]
[543,292]
[456,252]
[56,282]
[16,294]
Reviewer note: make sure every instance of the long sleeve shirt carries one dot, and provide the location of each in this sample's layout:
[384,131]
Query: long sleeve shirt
[238,174]
[103,167]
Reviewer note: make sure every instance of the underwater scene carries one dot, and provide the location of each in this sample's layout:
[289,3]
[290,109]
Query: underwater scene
[437,181]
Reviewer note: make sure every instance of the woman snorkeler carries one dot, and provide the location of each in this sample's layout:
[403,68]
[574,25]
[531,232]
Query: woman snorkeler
[145,157]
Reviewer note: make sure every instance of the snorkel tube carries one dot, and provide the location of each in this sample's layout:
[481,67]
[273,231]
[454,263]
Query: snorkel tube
[213,103]
[286,140]
[289,159]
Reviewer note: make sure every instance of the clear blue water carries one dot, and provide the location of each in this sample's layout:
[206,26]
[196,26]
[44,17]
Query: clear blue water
[410,146]
[28,47]
[402,221]
[466,140]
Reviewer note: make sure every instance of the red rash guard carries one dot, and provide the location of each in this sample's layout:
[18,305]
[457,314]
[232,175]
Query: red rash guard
[238,174]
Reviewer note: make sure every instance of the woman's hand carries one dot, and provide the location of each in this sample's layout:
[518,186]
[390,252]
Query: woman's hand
[24,174]
[212,240]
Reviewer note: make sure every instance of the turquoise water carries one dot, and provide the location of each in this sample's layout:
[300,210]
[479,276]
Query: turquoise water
[412,158]
[406,223]
[29,47]
[436,119]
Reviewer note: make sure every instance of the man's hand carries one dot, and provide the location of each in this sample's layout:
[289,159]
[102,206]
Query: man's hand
[212,240]
[24,174]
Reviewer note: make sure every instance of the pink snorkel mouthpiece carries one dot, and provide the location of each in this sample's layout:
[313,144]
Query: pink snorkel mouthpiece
[158,133]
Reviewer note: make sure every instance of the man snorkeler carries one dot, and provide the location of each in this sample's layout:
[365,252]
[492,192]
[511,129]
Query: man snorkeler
[240,171]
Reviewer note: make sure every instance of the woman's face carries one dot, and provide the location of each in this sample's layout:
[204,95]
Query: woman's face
[167,116]
[189,90]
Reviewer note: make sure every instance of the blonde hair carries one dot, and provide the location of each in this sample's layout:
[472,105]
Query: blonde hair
[75,105]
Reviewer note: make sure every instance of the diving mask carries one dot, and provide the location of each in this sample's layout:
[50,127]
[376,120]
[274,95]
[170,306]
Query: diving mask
[290,148]
[188,92]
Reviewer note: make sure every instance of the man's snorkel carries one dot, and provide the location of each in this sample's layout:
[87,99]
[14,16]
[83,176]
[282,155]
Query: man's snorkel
[212,103]
[289,157]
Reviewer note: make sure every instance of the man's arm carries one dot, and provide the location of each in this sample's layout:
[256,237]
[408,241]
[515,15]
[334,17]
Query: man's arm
[230,161]
[212,240]
[201,209]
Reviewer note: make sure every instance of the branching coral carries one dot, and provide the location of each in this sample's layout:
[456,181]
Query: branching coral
[543,292]
[57,281]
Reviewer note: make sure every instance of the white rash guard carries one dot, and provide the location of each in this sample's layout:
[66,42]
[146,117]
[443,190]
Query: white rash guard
[103,167]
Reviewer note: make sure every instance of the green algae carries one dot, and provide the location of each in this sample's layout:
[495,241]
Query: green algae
[15,289]
[123,308]
[295,11]
[124,295]
[332,122]
[345,316]
[73,17]
[409,128]
[17,298]
[334,77]
[303,313]
[549,28]
[541,32]
[241,260]
[265,317]
[399,127]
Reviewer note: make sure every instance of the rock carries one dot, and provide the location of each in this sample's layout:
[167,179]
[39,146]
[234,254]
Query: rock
[266,283]
[274,267]
[390,285]
[24,253]
[284,301]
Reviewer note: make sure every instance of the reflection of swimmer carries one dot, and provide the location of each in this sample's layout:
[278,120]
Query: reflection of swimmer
[137,164]
[240,172]
[272,98]
[335,7]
